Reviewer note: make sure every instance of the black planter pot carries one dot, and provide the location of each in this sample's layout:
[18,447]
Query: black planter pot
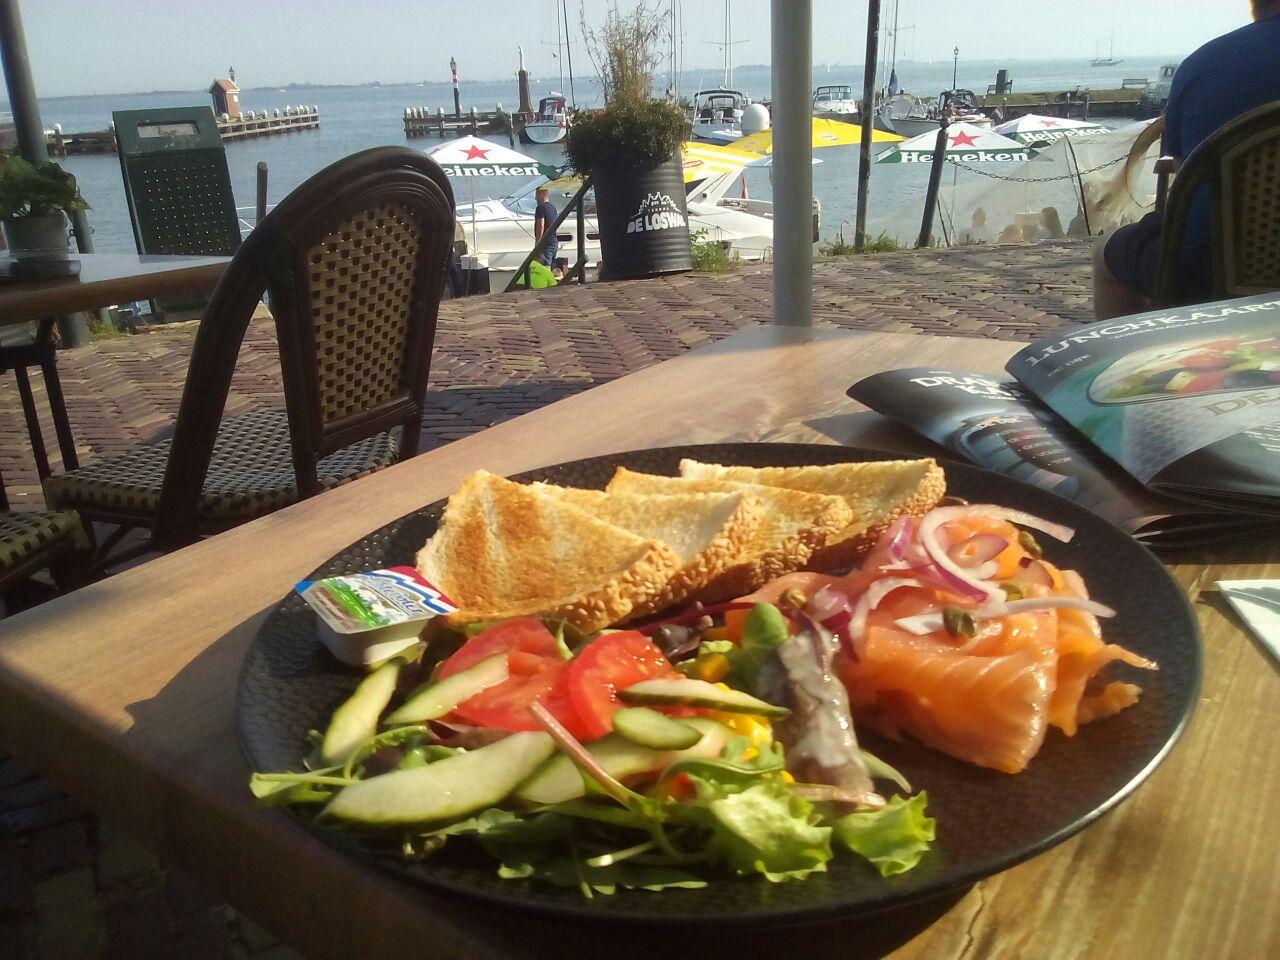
[644,226]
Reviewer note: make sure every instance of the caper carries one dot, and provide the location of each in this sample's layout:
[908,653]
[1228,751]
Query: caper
[794,597]
[1012,589]
[1028,543]
[959,622]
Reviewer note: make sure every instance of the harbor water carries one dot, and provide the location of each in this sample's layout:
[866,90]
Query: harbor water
[355,118]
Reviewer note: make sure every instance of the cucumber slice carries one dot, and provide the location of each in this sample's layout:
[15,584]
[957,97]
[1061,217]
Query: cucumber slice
[559,779]
[445,790]
[356,720]
[698,693]
[436,698]
[649,728]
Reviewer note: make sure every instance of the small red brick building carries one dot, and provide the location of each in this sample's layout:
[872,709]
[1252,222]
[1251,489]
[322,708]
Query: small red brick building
[226,96]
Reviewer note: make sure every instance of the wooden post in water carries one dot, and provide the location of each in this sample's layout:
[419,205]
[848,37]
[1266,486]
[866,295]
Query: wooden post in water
[261,206]
[935,180]
[868,118]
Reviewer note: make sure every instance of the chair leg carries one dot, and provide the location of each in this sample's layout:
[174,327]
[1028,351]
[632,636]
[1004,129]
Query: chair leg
[32,416]
[58,407]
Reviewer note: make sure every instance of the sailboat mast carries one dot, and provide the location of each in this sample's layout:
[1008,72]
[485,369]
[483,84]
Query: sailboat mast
[728,44]
[560,51]
[568,48]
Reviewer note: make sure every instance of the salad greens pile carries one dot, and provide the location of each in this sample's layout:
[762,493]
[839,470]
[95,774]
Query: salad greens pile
[693,817]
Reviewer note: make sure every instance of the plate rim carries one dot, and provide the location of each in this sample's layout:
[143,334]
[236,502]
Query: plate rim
[956,878]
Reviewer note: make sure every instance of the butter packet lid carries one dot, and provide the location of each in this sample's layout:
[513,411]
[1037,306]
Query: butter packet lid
[360,602]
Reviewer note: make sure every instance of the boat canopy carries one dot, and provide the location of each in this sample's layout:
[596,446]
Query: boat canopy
[834,92]
[552,104]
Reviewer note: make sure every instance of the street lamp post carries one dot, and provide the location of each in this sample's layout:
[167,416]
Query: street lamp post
[955,65]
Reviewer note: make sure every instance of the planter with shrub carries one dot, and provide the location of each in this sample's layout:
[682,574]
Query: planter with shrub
[631,152]
[34,202]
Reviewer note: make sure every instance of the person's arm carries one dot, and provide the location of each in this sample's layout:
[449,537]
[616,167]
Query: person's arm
[539,223]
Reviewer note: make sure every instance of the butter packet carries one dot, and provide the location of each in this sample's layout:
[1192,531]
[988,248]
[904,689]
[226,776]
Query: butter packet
[365,618]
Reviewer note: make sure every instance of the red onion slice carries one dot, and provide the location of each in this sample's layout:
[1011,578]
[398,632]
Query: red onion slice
[827,602]
[927,623]
[870,600]
[932,522]
[900,534]
[977,550]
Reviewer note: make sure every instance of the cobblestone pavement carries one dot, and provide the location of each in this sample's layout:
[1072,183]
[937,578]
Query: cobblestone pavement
[71,886]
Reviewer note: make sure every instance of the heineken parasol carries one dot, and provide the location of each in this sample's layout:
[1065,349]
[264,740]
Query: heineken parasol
[472,157]
[966,143]
[1034,128]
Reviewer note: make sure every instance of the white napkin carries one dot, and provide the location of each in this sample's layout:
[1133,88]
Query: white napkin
[1258,603]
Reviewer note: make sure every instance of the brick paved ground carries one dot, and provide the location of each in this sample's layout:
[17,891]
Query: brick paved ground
[72,886]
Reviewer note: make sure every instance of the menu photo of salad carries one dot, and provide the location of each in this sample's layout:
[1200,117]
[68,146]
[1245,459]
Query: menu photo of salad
[1187,401]
[993,421]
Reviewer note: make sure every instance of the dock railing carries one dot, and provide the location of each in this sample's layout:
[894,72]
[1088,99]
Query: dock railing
[579,269]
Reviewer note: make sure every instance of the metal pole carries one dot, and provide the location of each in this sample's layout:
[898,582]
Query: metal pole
[457,100]
[568,53]
[935,180]
[868,117]
[30,132]
[791,36]
[955,65]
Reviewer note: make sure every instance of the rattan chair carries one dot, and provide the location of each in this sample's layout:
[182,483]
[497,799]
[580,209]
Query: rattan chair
[354,261]
[1239,165]
[33,541]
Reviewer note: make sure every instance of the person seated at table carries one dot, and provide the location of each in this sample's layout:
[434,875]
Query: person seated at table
[1226,77]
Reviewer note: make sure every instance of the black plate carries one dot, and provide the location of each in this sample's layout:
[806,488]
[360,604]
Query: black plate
[987,821]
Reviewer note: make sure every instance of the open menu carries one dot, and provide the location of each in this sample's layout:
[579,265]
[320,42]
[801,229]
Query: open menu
[1166,423]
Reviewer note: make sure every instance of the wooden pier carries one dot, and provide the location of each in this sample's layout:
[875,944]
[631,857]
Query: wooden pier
[422,122]
[259,123]
[1080,103]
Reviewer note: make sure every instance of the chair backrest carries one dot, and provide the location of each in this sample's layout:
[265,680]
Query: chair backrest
[1239,166]
[355,261]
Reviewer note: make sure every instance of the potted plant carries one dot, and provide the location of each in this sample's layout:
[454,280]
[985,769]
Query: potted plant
[34,202]
[631,151]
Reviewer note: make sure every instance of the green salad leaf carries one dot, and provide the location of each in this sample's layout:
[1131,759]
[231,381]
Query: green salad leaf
[762,632]
[893,838]
[767,829]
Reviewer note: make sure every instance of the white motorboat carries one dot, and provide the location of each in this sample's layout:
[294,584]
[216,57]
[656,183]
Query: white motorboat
[717,114]
[835,102]
[503,228]
[551,125]
[906,116]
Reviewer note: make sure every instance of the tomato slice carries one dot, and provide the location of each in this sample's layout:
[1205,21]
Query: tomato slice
[606,665]
[526,634]
[537,673]
[1204,382]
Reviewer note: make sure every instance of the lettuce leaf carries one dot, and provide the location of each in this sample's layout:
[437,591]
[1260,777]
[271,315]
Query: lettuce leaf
[766,829]
[893,838]
[762,632]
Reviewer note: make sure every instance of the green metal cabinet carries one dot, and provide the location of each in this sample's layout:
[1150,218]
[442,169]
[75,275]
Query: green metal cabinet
[176,181]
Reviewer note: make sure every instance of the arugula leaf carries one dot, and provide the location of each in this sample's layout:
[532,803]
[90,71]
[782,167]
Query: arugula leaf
[893,838]
[481,823]
[571,872]
[425,753]
[767,829]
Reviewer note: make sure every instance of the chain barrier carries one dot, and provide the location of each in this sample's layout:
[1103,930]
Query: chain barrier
[1065,176]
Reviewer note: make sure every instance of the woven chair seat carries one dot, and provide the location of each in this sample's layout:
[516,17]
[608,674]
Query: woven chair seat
[25,536]
[250,474]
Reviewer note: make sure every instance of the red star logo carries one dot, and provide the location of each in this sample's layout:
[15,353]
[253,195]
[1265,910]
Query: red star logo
[477,153]
[963,139]
[1049,123]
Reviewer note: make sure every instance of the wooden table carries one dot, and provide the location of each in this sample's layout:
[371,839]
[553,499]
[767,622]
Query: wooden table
[106,279]
[123,693]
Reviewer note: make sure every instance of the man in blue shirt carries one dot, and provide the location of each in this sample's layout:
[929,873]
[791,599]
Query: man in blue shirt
[544,215]
[1223,79]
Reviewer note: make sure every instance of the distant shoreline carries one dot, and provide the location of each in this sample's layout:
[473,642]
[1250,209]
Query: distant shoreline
[749,69]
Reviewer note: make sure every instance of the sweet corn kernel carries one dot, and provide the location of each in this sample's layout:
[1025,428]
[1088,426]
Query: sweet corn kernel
[713,667]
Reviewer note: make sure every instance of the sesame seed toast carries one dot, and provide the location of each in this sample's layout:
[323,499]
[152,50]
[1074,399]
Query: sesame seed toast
[708,531]
[877,493]
[507,550]
[795,524]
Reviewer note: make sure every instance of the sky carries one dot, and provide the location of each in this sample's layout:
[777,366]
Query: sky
[81,47]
